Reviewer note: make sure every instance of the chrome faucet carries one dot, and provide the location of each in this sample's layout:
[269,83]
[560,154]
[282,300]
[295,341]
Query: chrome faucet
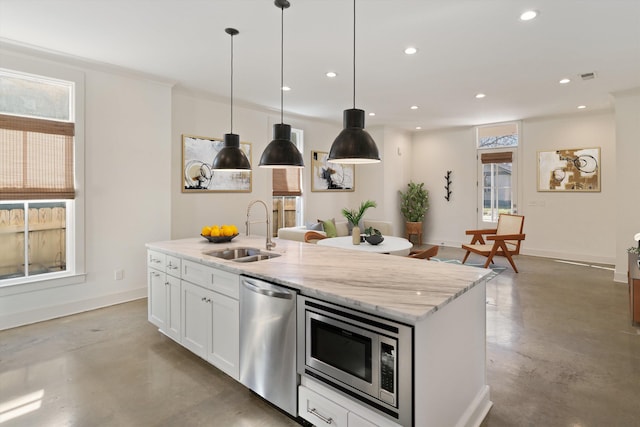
[270,243]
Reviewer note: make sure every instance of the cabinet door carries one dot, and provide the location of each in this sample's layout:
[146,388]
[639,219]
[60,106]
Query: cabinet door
[157,304]
[224,352]
[173,296]
[196,318]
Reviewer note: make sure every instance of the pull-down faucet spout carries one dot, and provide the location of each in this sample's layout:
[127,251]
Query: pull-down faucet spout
[270,244]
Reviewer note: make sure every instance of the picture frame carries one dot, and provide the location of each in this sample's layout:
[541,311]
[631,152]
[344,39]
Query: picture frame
[329,176]
[197,175]
[569,170]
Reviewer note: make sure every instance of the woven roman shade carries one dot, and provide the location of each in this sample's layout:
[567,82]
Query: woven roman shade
[36,159]
[503,157]
[287,182]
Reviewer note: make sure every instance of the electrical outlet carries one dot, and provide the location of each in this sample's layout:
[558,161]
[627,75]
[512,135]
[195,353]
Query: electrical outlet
[118,275]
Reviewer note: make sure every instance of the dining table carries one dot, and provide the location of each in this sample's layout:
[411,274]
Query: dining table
[390,245]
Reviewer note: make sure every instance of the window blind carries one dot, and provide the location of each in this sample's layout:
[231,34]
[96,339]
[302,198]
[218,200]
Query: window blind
[503,157]
[36,159]
[287,182]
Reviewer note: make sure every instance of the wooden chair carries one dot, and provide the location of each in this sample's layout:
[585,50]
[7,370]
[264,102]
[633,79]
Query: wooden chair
[313,236]
[424,254]
[504,240]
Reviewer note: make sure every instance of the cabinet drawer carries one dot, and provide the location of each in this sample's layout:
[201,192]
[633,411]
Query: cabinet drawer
[173,265]
[320,411]
[211,278]
[156,260]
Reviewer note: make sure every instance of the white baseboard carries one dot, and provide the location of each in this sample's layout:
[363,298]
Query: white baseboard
[47,313]
[477,411]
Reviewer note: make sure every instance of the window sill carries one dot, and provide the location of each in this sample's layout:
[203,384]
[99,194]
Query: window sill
[22,285]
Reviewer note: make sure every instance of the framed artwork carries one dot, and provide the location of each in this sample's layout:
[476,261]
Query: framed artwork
[575,169]
[327,176]
[198,153]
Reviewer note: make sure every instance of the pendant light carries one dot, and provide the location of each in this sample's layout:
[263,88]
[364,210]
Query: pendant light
[281,152]
[354,144]
[231,157]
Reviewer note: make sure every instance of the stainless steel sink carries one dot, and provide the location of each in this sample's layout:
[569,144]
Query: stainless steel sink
[242,254]
[254,258]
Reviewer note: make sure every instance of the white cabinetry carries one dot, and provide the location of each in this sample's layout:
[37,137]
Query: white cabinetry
[323,406]
[164,293]
[211,315]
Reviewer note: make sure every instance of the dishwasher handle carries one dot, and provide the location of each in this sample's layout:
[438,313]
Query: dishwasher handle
[269,290]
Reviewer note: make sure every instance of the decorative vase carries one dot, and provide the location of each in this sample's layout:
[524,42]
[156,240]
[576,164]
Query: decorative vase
[355,235]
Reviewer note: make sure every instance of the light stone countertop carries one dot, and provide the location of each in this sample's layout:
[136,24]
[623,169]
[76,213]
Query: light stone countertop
[395,287]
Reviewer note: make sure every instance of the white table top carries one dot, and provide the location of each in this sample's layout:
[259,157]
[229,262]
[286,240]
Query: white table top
[391,245]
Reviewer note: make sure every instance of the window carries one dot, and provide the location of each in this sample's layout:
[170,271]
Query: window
[497,136]
[497,145]
[496,185]
[287,191]
[37,177]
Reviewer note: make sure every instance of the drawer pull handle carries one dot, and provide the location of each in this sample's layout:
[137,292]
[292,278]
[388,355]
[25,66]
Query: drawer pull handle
[317,414]
[155,274]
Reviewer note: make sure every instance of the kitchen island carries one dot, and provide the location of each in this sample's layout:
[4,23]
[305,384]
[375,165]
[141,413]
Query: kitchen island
[444,305]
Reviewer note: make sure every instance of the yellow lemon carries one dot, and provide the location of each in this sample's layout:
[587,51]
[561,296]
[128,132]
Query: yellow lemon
[215,232]
[227,231]
[234,229]
[206,231]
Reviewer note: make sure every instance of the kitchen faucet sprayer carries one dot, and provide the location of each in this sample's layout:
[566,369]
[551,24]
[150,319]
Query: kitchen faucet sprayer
[270,244]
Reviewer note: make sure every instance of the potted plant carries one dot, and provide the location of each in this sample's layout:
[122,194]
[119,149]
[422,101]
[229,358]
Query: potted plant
[354,217]
[414,204]
[373,236]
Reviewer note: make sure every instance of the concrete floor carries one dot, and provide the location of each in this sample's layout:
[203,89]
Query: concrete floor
[560,352]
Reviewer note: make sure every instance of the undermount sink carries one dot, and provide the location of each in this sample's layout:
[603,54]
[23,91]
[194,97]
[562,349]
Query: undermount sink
[242,254]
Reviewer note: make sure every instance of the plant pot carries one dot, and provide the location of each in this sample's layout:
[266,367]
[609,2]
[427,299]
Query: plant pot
[414,228]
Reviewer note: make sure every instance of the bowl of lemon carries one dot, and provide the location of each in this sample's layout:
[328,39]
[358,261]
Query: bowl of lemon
[219,233]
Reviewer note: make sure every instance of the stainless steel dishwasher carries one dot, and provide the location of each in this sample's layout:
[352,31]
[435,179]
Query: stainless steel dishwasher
[268,342]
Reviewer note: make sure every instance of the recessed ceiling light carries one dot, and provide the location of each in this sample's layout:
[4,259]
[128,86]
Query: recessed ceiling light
[331,74]
[286,88]
[564,81]
[581,107]
[418,127]
[414,107]
[480,95]
[410,50]
[372,114]
[528,15]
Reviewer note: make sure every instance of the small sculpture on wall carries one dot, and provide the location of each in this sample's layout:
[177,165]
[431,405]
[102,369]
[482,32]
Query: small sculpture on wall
[447,187]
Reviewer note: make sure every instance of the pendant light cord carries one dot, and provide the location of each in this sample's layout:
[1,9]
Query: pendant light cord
[354,54]
[282,66]
[231,83]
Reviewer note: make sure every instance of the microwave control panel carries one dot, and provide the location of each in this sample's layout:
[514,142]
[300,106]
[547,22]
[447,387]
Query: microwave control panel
[387,373]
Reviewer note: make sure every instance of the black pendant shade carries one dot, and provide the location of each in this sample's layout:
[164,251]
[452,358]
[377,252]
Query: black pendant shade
[354,144]
[281,152]
[231,156]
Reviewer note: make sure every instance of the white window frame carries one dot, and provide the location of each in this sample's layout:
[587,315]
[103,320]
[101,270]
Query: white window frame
[75,257]
[515,174]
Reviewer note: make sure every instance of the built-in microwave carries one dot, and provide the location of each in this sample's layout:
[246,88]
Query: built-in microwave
[363,356]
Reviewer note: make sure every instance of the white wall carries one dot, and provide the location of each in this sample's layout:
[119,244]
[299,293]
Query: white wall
[577,226]
[196,115]
[432,155]
[627,222]
[126,191]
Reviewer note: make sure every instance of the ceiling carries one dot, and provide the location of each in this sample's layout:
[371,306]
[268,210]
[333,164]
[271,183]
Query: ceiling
[464,47]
